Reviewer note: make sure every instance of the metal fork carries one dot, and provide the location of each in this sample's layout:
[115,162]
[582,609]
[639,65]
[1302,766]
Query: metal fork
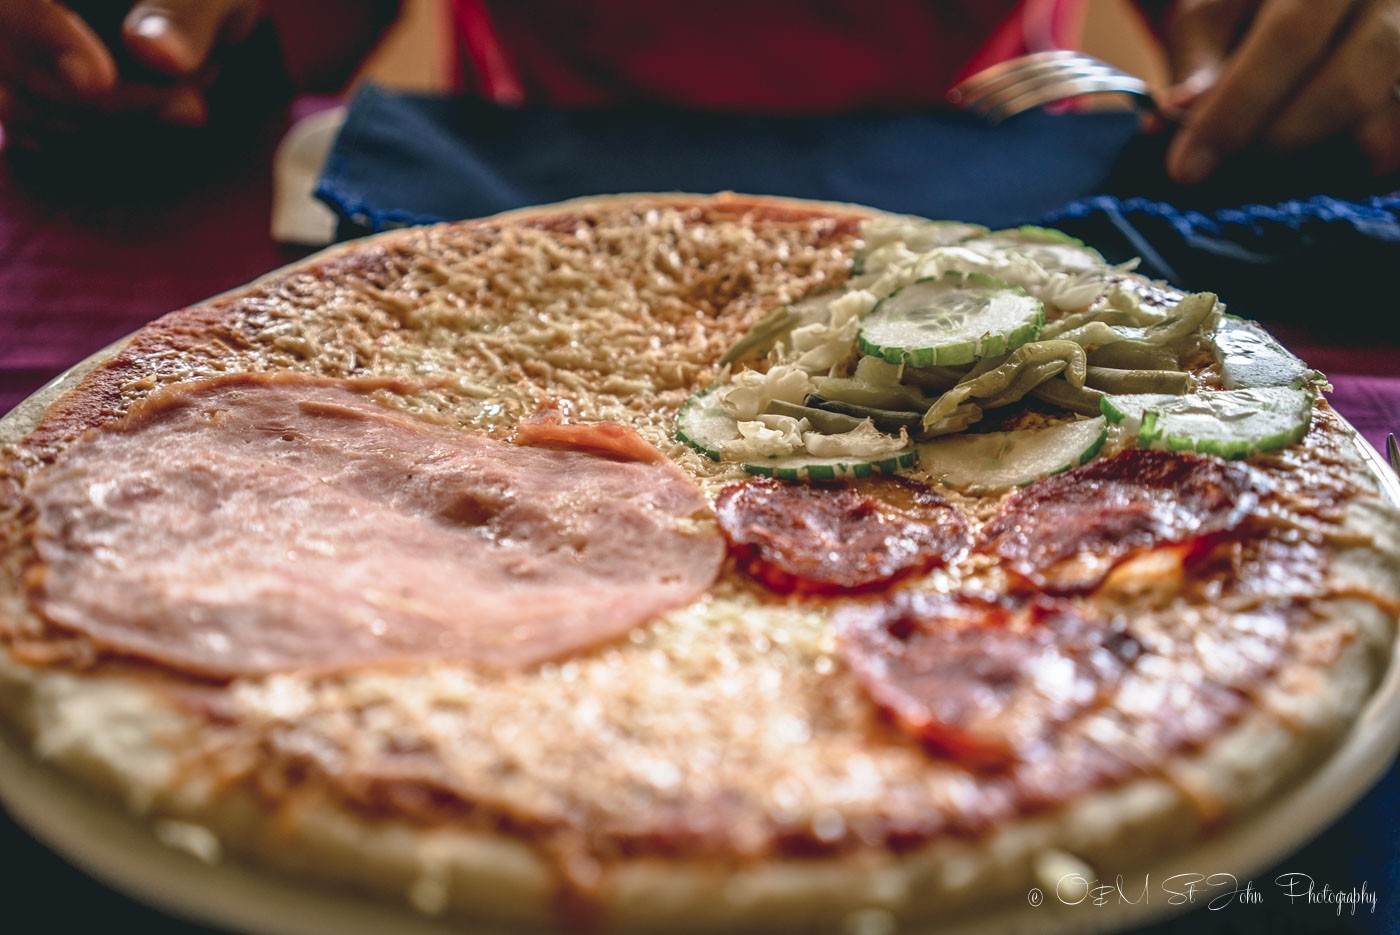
[1019,84]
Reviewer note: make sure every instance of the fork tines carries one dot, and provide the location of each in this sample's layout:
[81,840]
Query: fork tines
[1019,84]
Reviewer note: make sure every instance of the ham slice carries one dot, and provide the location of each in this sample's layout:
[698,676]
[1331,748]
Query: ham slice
[264,523]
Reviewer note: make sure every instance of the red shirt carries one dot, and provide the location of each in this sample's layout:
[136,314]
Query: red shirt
[746,55]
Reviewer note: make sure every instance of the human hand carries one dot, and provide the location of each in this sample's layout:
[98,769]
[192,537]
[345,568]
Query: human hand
[61,70]
[1282,75]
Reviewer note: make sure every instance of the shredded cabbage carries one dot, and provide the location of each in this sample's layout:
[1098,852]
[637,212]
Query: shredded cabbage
[820,346]
[751,392]
[864,441]
[769,436]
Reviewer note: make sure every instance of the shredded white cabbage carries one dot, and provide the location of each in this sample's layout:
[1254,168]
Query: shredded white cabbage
[1073,292]
[1062,276]
[918,235]
[768,436]
[865,441]
[752,392]
[821,346]
[889,231]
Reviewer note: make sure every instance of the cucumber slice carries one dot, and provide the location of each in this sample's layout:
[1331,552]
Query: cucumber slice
[950,320]
[1052,250]
[1250,357]
[703,425]
[998,460]
[1229,423]
[807,467]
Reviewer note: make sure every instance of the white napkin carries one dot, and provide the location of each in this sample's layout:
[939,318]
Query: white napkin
[297,217]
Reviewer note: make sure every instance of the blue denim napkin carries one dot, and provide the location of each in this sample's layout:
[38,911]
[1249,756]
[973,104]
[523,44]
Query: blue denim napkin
[409,159]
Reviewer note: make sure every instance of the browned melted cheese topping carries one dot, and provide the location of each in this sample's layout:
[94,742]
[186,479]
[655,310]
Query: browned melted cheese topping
[255,524]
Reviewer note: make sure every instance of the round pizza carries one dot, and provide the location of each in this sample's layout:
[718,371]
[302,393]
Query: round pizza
[690,563]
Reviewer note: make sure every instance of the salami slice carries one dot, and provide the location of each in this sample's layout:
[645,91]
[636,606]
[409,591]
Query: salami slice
[1066,532]
[981,681]
[831,539]
[257,524]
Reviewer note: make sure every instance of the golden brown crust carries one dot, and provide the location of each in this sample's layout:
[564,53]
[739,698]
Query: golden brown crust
[735,735]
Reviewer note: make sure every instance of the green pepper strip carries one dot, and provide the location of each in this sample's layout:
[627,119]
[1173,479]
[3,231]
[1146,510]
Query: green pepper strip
[1027,379]
[828,423]
[935,378]
[995,384]
[762,336]
[886,420]
[864,393]
[1112,380]
[1135,355]
[1107,315]
[960,418]
[1082,400]
[1193,315]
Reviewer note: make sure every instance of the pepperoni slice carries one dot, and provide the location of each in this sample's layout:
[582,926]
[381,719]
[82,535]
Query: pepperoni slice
[1066,532]
[982,682]
[834,539]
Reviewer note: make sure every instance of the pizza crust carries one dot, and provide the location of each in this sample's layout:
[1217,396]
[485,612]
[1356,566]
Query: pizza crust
[107,739]
[117,734]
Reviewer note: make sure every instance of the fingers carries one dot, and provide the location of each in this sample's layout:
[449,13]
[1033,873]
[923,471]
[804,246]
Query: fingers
[46,46]
[57,77]
[186,107]
[28,124]
[35,122]
[1354,82]
[178,37]
[1379,138]
[1283,45]
[1202,33]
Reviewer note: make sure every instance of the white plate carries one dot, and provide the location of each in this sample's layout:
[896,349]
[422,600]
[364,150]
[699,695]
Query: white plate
[121,851]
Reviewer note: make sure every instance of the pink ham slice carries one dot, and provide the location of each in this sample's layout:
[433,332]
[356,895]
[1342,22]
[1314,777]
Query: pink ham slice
[264,523]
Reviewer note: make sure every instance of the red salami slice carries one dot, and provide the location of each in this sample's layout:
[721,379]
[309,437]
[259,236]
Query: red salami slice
[830,539]
[1066,532]
[981,681]
[256,524]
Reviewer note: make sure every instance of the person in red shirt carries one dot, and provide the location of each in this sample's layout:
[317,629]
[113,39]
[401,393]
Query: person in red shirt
[1250,74]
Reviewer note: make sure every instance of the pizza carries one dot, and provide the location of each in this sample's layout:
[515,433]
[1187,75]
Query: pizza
[691,563]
